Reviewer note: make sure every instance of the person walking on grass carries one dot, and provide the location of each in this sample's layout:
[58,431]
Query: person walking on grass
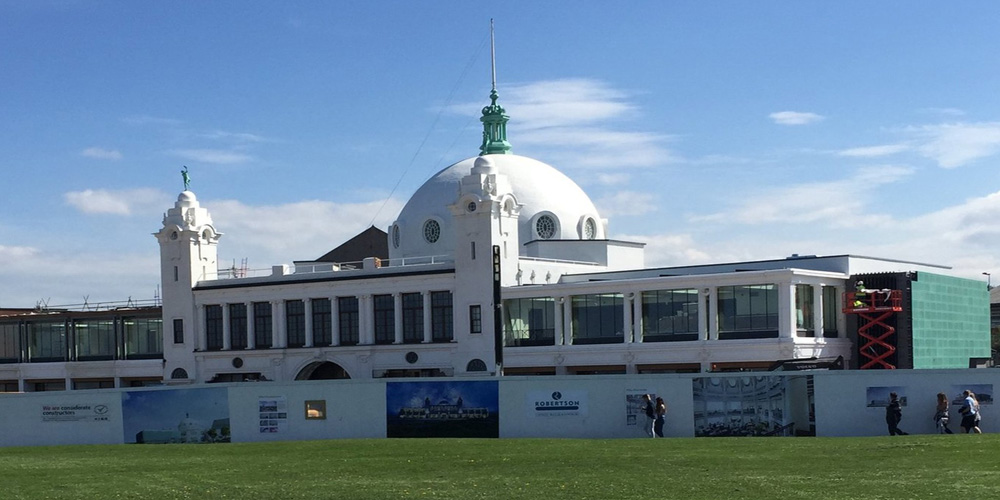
[650,411]
[941,416]
[661,414]
[893,414]
[970,413]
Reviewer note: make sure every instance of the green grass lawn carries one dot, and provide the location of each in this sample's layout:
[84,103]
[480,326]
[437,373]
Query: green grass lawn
[929,466]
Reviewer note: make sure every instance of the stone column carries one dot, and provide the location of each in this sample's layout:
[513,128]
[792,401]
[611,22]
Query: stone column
[427,317]
[397,314]
[227,343]
[251,340]
[335,321]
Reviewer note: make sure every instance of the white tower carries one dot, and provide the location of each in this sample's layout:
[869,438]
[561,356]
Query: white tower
[486,217]
[188,254]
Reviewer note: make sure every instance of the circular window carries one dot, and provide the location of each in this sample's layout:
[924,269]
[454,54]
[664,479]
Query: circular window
[471,206]
[411,357]
[589,229]
[432,231]
[545,226]
[237,362]
[395,236]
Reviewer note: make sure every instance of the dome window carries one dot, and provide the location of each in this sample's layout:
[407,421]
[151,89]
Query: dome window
[395,236]
[179,373]
[476,365]
[432,231]
[589,229]
[545,226]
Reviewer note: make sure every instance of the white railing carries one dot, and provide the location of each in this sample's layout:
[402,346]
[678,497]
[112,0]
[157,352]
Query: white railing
[560,261]
[330,267]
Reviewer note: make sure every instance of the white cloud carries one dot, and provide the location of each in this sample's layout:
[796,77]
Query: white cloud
[942,111]
[626,203]
[874,151]
[238,137]
[101,153]
[216,156]
[669,249]
[795,118]
[122,202]
[268,235]
[149,120]
[578,123]
[613,179]
[956,144]
[805,202]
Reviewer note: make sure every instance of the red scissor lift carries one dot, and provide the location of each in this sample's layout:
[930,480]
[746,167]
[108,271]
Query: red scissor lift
[873,308]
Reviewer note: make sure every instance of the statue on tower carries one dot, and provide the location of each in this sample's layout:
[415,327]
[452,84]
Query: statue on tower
[186,177]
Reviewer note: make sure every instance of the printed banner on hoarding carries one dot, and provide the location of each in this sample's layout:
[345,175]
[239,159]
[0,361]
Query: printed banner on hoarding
[557,403]
[75,413]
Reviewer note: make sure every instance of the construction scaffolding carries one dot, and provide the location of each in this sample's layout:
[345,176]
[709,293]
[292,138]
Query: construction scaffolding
[875,335]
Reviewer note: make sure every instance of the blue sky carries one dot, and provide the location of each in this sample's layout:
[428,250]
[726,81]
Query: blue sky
[713,131]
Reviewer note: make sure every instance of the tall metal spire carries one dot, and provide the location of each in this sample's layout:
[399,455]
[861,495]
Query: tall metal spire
[494,116]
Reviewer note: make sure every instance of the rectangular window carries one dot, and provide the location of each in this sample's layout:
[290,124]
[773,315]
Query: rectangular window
[47,341]
[10,347]
[262,325]
[96,383]
[143,338]
[178,331]
[384,311]
[831,311]
[322,329]
[94,339]
[748,312]
[669,315]
[475,318]
[213,327]
[238,326]
[529,322]
[804,307]
[295,322]
[413,318]
[442,320]
[347,320]
[598,318]
[316,409]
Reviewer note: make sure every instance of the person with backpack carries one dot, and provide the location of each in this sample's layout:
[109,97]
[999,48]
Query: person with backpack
[893,414]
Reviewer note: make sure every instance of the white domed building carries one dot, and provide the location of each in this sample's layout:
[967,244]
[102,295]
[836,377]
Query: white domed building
[498,264]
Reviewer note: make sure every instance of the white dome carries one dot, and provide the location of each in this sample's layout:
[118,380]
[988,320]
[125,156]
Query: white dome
[547,196]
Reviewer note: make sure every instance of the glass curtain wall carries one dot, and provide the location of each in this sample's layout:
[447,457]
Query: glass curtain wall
[529,322]
[748,311]
[598,318]
[143,337]
[47,341]
[669,315]
[804,307]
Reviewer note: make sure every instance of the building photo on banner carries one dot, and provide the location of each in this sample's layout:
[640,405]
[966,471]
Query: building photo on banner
[512,200]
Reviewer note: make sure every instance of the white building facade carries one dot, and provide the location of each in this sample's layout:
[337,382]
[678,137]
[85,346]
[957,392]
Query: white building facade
[498,264]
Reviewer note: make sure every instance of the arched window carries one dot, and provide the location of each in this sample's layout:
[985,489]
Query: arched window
[476,365]
[179,373]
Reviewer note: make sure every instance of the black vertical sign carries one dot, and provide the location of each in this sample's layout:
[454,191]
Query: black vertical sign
[497,318]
